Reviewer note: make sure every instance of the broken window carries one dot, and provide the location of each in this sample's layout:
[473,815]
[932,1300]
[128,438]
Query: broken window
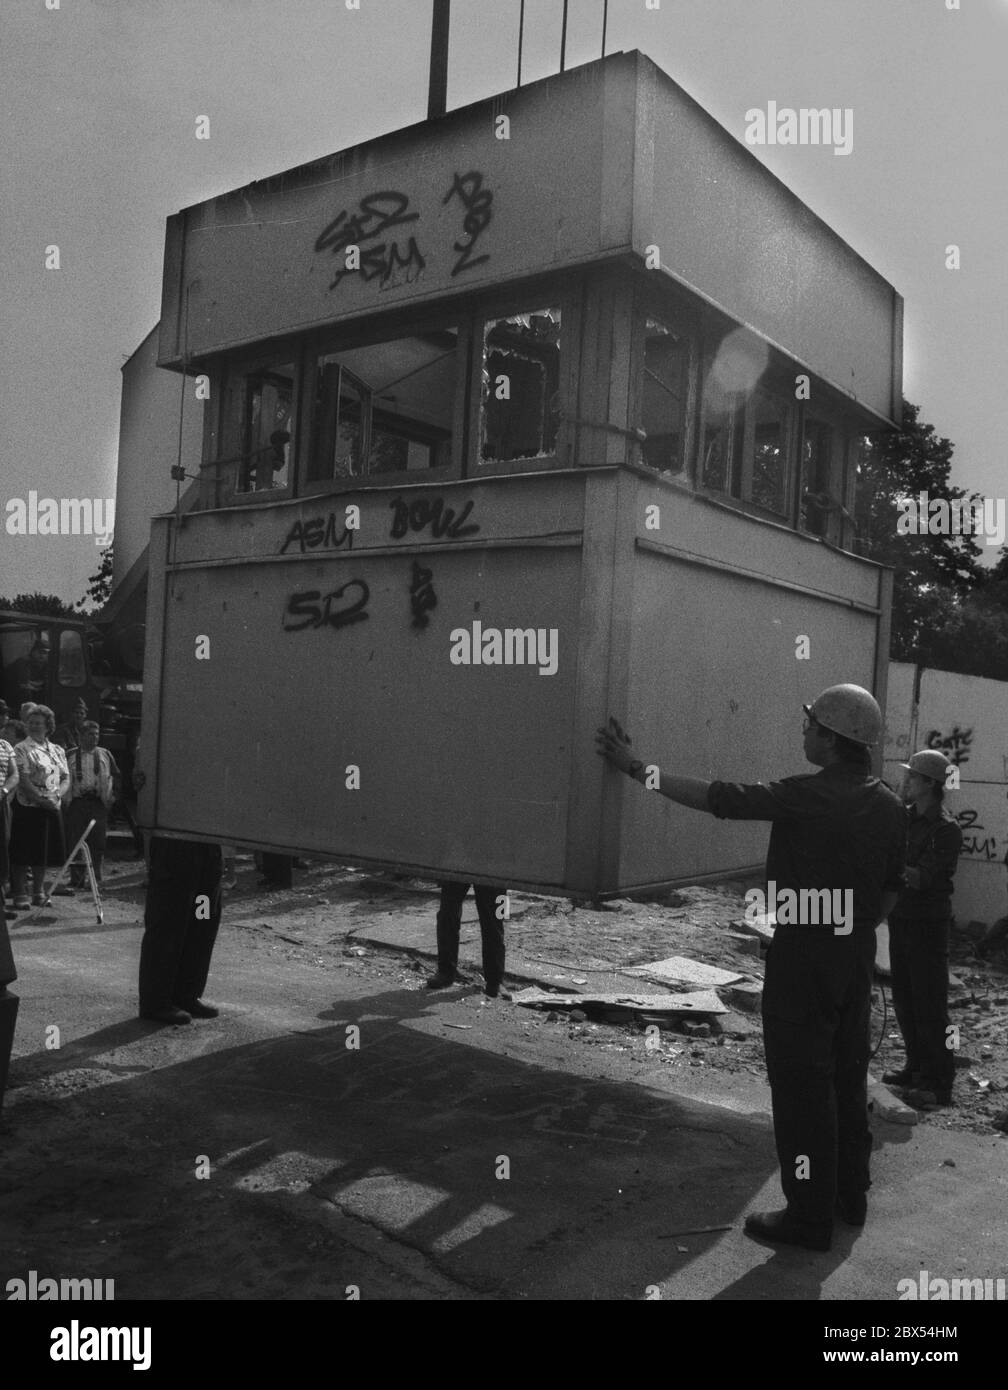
[520,406]
[384,408]
[666,375]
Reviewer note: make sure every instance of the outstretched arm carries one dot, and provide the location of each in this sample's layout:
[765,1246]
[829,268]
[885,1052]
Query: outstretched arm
[613,744]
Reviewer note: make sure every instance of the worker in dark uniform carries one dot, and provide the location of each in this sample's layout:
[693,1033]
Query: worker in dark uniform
[838,829]
[919,928]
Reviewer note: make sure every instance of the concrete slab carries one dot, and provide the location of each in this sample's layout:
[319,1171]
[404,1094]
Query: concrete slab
[680,971]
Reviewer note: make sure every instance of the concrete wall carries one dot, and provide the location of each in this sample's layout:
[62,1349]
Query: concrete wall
[148,448]
[966,717]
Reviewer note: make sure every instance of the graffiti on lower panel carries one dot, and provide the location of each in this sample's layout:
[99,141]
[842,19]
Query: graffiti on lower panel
[422,595]
[319,532]
[432,512]
[955,746]
[343,606]
[976,844]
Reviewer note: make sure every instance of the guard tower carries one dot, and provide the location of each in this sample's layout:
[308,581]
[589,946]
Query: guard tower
[539,410]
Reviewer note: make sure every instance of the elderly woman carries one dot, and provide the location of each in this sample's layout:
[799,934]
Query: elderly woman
[37,833]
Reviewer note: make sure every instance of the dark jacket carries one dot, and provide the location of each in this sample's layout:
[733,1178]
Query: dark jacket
[933,844]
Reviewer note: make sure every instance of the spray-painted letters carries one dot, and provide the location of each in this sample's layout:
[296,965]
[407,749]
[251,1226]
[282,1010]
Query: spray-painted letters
[310,609]
[320,531]
[376,213]
[432,512]
[976,843]
[477,202]
[955,746]
[422,595]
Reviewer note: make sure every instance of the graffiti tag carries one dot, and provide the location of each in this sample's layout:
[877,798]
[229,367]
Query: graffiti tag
[477,202]
[310,609]
[422,595]
[955,746]
[432,512]
[319,531]
[376,213]
[976,844]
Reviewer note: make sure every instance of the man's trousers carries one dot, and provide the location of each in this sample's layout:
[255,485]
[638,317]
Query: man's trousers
[449,922]
[816,1021]
[181,919]
[919,962]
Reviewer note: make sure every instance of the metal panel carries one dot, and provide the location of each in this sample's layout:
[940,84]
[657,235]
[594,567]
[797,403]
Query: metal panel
[439,208]
[716,692]
[731,231]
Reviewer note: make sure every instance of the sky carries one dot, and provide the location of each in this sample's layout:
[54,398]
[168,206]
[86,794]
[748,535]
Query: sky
[100,99]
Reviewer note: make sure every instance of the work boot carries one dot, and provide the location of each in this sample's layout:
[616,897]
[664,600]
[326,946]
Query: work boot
[198,1009]
[903,1077]
[781,1228]
[169,1015]
[942,1093]
[443,979]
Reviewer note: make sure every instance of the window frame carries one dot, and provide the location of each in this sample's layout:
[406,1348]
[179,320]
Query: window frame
[504,305]
[220,486]
[345,339]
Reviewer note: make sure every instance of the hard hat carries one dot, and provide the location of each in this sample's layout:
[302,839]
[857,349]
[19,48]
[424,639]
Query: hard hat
[929,763]
[848,710]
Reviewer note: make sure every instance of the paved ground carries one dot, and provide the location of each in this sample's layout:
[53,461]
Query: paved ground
[465,1150]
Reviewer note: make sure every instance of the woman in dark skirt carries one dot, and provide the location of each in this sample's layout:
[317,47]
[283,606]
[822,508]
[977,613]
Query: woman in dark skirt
[37,832]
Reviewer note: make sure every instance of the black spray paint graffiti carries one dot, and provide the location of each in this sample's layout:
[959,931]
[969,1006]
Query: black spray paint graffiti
[477,202]
[976,844]
[955,747]
[319,531]
[422,595]
[376,213]
[430,511]
[310,609]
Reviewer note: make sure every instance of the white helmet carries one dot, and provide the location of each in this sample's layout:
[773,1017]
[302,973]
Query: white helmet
[848,710]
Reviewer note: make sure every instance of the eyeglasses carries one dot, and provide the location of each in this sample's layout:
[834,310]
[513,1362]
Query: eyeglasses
[809,723]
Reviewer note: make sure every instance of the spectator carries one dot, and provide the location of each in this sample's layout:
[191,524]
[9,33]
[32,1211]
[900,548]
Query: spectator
[8,785]
[93,780]
[37,831]
[68,734]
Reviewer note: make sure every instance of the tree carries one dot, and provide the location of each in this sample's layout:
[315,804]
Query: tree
[100,583]
[935,575]
[45,605]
